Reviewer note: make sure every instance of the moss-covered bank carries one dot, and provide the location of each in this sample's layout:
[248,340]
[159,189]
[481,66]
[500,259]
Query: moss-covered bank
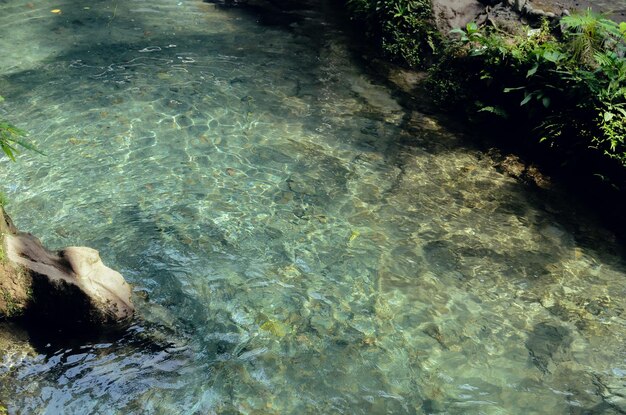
[15,292]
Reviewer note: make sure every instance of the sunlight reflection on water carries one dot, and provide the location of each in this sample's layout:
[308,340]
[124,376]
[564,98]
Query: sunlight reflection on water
[298,241]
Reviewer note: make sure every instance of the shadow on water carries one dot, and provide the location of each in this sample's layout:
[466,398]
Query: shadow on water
[277,13]
[123,364]
[47,338]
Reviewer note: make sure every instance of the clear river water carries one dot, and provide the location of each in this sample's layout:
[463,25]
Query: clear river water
[298,240]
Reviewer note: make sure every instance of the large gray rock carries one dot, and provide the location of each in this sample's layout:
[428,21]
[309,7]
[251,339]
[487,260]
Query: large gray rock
[512,15]
[450,14]
[67,287]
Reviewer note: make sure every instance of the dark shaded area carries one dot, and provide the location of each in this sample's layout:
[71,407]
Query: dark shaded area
[46,338]
[548,344]
[280,13]
[66,306]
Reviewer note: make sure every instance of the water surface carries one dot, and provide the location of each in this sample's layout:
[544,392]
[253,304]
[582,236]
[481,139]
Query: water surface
[298,241]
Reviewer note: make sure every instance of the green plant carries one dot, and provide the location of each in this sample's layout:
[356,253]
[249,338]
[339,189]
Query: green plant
[590,35]
[403,28]
[11,137]
[12,307]
[568,84]
[471,33]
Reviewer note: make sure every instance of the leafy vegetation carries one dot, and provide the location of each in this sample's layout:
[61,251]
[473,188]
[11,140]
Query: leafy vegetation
[403,28]
[570,85]
[563,84]
[11,137]
[12,307]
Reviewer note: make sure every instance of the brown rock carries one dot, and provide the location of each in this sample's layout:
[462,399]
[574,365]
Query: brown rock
[513,166]
[69,286]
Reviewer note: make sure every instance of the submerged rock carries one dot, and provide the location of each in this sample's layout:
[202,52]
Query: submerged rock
[549,345]
[71,286]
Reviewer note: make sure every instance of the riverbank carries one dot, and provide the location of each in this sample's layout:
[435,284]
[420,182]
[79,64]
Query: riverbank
[553,95]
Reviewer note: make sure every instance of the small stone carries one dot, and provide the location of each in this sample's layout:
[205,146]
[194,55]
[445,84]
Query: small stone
[276,328]
[547,300]
[369,340]
[321,324]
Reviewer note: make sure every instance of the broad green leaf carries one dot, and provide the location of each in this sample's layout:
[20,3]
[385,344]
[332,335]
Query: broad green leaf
[525,100]
[552,56]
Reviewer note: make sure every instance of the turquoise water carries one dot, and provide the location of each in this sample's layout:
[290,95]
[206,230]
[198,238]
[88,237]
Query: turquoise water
[298,241]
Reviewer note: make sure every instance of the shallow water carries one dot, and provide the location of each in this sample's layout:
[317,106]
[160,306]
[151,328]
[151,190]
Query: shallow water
[298,241]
